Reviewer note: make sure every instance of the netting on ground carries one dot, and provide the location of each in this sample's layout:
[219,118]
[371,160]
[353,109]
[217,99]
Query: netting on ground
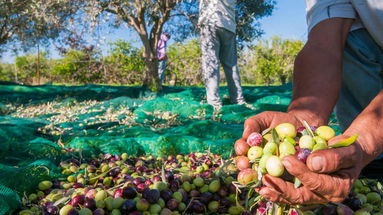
[39,122]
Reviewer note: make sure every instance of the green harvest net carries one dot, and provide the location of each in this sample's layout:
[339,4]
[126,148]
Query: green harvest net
[37,123]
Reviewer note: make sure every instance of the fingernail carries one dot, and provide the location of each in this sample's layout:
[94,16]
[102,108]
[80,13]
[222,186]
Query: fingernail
[317,163]
[262,192]
[286,163]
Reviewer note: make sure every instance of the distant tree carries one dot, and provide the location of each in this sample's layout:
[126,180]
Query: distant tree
[125,63]
[7,72]
[184,65]
[148,17]
[79,67]
[270,62]
[26,67]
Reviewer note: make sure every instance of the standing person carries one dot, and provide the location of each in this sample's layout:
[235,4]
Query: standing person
[341,67]
[161,55]
[218,42]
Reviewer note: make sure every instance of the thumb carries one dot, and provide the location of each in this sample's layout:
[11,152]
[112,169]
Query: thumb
[257,123]
[332,160]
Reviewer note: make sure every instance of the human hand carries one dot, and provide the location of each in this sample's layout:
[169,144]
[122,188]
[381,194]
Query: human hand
[270,119]
[328,176]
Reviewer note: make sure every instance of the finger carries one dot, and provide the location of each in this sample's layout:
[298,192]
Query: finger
[301,195]
[300,170]
[332,160]
[272,195]
[256,123]
[333,187]
[251,125]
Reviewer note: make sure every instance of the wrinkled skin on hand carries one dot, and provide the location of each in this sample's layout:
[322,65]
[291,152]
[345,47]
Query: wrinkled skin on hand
[328,175]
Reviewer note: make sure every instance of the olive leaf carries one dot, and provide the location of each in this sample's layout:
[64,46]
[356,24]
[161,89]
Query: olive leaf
[308,128]
[297,182]
[346,142]
[274,134]
[264,132]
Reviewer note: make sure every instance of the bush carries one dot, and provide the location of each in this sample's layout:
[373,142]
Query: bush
[268,62]
[78,67]
[184,64]
[27,67]
[124,64]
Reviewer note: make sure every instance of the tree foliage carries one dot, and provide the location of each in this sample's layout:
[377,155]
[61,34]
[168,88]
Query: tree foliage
[270,62]
[125,63]
[184,64]
[27,66]
[34,21]
[78,67]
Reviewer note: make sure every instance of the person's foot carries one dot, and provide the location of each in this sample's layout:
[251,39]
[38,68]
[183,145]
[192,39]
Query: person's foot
[242,103]
[217,108]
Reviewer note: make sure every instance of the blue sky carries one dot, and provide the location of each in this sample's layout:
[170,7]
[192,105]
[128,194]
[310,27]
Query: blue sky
[288,21]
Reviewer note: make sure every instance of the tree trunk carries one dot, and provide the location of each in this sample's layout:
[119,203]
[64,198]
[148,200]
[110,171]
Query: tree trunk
[38,64]
[151,79]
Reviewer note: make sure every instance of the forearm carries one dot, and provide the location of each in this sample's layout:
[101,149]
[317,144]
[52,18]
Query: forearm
[369,125]
[318,71]
[317,81]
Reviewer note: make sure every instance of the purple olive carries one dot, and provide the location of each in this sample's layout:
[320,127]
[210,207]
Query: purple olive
[140,169]
[198,207]
[225,202]
[129,192]
[169,176]
[89,203]
[165,195]
[222,210]
[72,211]
[172,204]
[206,197]
[52,210]
[135,213]
[77,185]
[303,154]
[223,192]
[232,188]
[329,210]
[216,197]
[194,193]
[153,196]
[128,206]
[79,199]
[114,172]
[174,186]
[99,211]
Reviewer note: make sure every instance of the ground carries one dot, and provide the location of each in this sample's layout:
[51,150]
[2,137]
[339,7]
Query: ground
[37,123]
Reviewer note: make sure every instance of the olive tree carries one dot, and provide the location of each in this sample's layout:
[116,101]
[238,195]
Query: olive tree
[31,22]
